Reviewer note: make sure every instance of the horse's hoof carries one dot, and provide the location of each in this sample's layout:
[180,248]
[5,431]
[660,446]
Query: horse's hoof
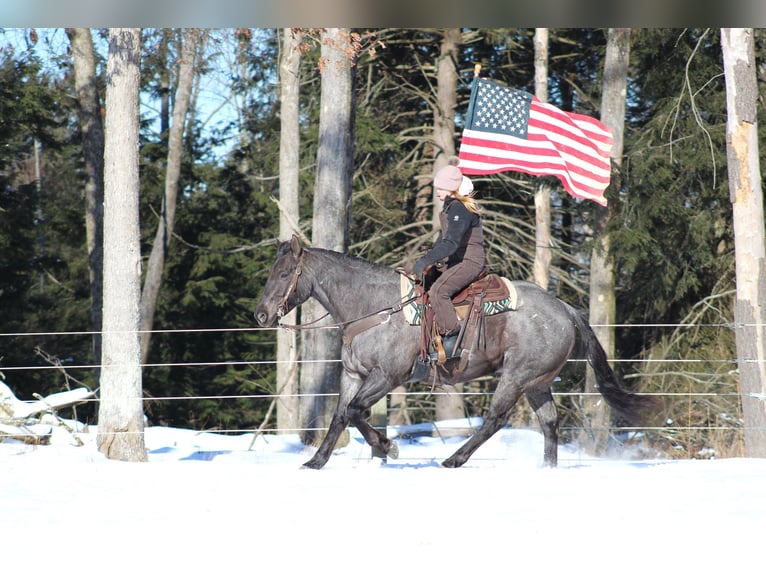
[451,463]
[393,451]
[313,465]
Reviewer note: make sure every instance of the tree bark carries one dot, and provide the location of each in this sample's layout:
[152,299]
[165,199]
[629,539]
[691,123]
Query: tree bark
[121,417]
[92,130]
[603,311]
[332,202]
[289,170]
[542,263]
[444,111]
[164,234]
[164,85]
[449,401]
[746,196]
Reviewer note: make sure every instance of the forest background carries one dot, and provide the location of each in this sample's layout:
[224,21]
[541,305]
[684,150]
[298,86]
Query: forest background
[670,220]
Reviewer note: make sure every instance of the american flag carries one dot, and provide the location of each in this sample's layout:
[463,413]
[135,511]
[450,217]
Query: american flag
[512,130]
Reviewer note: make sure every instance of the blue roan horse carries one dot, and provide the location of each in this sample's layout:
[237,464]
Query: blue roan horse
[527,347]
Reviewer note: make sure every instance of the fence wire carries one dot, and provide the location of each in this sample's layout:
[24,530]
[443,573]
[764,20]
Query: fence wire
[735,426]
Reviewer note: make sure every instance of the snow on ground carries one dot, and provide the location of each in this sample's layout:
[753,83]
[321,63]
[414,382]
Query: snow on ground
[209,503]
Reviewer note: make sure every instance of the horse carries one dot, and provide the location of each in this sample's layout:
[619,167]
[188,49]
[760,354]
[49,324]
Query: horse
[527,348]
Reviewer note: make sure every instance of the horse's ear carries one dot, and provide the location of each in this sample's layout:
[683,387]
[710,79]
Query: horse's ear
[282,247]
[295,246]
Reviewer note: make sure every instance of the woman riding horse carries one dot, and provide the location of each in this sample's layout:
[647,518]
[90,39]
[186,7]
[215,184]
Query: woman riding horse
[526,348]
[461,244]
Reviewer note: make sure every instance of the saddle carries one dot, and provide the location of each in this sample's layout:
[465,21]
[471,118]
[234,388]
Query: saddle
[488,295]
[490,287]
[497,293]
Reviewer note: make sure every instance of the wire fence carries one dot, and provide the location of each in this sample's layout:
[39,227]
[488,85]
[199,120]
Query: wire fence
[702,426]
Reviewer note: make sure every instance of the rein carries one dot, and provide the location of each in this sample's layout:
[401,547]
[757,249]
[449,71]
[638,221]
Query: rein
[355,326]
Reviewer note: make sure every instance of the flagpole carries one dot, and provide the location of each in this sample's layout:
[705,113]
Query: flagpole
[472,99]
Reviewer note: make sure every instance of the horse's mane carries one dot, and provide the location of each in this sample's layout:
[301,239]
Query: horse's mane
[352,261]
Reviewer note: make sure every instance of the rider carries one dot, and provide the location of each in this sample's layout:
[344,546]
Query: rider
[461,243]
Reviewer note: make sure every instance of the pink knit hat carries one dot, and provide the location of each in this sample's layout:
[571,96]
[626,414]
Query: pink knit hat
[449,177]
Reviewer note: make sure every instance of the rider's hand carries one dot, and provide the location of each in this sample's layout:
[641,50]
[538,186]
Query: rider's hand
[418,268]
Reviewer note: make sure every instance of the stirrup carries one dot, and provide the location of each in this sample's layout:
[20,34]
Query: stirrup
[448,344]
[420,371]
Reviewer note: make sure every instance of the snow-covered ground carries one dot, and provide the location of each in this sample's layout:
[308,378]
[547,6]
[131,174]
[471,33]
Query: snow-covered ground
[209,503]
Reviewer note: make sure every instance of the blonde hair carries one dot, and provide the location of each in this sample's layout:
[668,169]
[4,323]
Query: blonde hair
[468,201]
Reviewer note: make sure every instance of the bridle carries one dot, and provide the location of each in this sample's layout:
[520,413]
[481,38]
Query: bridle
[282,306]
[360,324]
[353,327]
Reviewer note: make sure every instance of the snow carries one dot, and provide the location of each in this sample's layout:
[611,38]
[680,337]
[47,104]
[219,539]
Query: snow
[207,502]
[25,409]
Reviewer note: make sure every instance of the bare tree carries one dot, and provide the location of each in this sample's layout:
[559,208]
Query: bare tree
[602,275]
[164,234]
[289,169]
[746,196]
[449,401]
[542,263]
[121,417]
[92,129]
[444,108]
[332,198]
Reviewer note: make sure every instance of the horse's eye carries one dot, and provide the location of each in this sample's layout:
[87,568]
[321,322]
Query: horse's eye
[283,275]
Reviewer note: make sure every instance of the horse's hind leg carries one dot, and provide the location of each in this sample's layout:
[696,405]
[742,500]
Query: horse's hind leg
[506,395]
[541,401]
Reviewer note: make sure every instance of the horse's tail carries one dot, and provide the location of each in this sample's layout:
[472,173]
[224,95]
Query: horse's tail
[635,409]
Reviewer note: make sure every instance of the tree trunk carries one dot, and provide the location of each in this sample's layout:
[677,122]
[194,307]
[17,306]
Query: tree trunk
[542,263]
[121,416]
[164,234]
[92,129]
[449,400]
[289,169]
[746,196]
[164,86]
[602,296]
[332,199]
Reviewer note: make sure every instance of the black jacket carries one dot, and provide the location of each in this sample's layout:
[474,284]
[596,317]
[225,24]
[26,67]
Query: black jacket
[462,237]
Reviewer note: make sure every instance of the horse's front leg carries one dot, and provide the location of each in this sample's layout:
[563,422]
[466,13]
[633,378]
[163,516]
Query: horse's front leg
[375,387]
[355,398]
[322,455]
[349,386]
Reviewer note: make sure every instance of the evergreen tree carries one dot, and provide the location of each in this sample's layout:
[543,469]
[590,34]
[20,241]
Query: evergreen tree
[43,269]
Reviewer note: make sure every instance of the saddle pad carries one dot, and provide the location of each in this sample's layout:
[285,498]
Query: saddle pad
[413,311]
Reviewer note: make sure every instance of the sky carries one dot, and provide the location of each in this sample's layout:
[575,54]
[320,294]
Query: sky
[216,104]
[208,502]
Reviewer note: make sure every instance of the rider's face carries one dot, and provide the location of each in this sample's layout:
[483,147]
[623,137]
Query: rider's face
[442,194]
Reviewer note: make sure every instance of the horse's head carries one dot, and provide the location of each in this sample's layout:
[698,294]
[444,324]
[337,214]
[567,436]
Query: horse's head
[284,289]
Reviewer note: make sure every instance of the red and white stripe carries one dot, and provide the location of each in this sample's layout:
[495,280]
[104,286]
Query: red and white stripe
[573,147]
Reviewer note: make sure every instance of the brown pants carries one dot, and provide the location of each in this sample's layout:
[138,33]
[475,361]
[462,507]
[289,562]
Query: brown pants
[450,282]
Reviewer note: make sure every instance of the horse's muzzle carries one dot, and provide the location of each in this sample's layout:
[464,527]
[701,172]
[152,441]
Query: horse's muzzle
[262,317]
